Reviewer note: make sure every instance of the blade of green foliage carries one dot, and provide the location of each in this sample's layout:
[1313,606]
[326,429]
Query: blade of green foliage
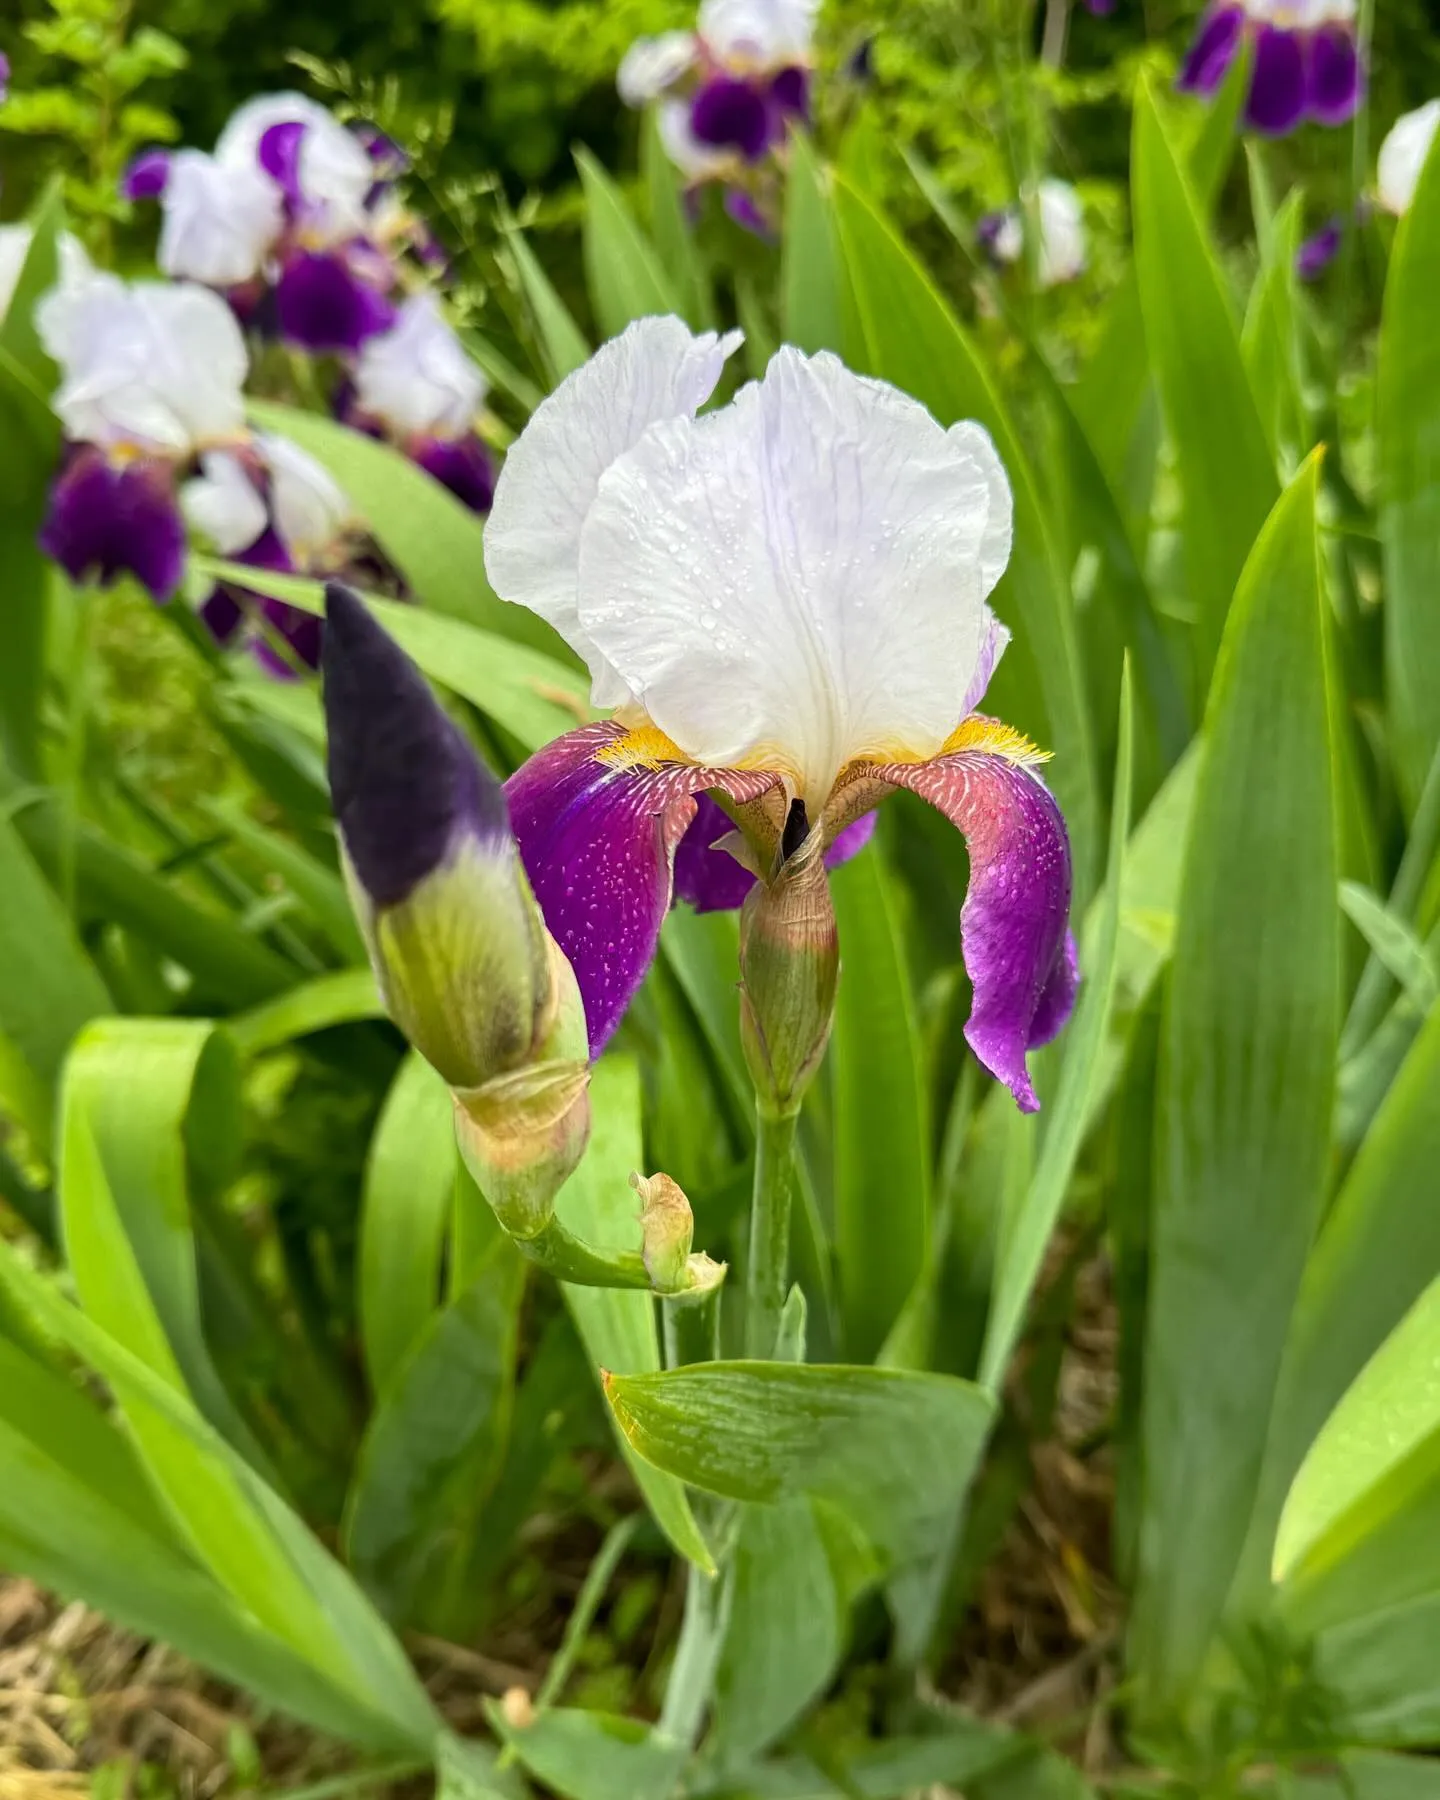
[618,1328]
[1407,406]
[786,1630]
[319,890]
[670,231]
[889,1448]
[254,1545]
[433,1448]
[404,1211]
[159,1100]
[78,1515]
[1382,1674]
[29,451]
[913,339]
[1394,941]
[1025,1236]
[1226,472]
[1371,1775]
[499,371]
[881,1127]
[114,886]
[1245,1090]
[626,277]
[562,343]
[1114,394]
[1377,1450]
[594,1755]
[532,695]
[1269,342]
[813,300]
[311,1006]
[49,987]
[434,541]
[1121,584]
[1379,1250]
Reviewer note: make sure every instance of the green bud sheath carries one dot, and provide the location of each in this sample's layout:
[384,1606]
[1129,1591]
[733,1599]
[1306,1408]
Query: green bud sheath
[789,966]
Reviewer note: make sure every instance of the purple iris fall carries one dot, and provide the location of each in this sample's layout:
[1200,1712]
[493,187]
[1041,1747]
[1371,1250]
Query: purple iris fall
[157,449]
[1304,60]
[784,605]
[293,217]
[727,93]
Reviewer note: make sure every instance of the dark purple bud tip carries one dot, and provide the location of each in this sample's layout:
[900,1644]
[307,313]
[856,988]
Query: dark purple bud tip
[147,176]
[405,783]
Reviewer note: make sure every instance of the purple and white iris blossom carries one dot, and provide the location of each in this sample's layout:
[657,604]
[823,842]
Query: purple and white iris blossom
[1305,61]
[415,386]
[151,399]
[1060,216]
[785,604]
[727,93]
[292,209]
[1402,157]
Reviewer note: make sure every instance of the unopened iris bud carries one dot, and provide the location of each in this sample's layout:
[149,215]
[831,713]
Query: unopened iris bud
[459,947]
[789,965]
[460,950]
[667,1228]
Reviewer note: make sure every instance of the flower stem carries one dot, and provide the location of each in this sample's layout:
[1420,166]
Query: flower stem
[775,1184]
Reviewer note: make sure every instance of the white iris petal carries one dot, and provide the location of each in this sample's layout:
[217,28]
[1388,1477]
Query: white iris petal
[219,221]
[417,377]
[154,365]
[767,33]
[653,64]
[1403,154]
[801,577]
[654,370]
[221,504]
[309,507]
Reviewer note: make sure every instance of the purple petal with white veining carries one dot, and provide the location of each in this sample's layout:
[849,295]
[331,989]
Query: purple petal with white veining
[106,520]
[1212,51]
[1336,74]
[598,844]
[461,464]
[322,306]
[404,779]
[731,114]
[147,176]
[278,154]
[1013,931]
[1279,88]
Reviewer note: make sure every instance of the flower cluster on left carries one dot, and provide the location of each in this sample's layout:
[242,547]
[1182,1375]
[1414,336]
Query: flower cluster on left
[288,248]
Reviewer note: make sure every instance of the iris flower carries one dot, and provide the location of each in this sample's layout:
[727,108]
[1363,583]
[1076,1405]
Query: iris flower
[415,386]
[1061,219]
[1305,60]
[294,217]
[784,605]
[727,91]
[152,405]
